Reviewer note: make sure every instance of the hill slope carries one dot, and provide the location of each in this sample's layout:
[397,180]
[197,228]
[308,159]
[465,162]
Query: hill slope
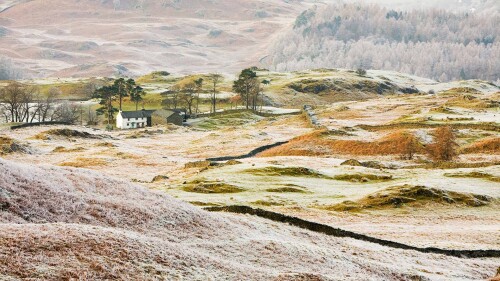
[63,223]
[86,38]
[431,43]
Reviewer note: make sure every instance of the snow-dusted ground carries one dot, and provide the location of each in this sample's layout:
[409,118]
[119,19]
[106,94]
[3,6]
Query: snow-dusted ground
[141,155]
[85,222]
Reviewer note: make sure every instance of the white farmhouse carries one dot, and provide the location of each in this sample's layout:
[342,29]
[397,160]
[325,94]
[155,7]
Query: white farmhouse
[134,119]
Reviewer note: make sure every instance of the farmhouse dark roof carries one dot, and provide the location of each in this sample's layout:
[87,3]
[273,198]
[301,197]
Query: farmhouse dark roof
[137,114]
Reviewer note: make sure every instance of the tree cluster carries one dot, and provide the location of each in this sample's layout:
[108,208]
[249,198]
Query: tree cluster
[430,43]
[186,93]
[117,91]
[250,88]
[25,104]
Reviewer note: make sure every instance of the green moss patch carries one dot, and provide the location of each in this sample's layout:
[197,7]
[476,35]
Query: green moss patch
[367,164]
[289,188]
[362,177]
[286,171]
[211,187]
[205,204]
[269,203]
[477,175]
[412,196]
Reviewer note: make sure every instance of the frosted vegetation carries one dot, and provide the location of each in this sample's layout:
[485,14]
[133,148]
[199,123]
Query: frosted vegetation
[60,224]
[430,43]
[7,69]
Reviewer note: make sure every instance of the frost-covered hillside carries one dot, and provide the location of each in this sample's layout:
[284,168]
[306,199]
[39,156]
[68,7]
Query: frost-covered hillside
[67,223]
[430,43]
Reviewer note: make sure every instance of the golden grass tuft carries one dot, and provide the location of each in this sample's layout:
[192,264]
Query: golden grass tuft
[105,144]
[487,145]
[64,133]
[62,149]
[82,162]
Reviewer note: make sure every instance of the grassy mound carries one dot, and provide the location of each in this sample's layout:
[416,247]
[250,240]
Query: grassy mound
[362,178]
[453,165]
[477,175]
[229,119]
[144,134]
[105,144]
[288,188]
[340,87]
[62,149]
[319,144]
[470,102]
[367,164]
[197,165]
[68,133]
[460,90]
[159,178]
[285,171]
[413,196]
[483,146]
[211,187]
[9,145]
[82,162]
[268,203]
[352,162]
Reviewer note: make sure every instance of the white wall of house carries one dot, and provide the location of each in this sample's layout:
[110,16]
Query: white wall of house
[130,123]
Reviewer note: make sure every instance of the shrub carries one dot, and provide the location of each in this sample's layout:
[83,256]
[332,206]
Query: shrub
[361,72]
[444,146]
[408,146]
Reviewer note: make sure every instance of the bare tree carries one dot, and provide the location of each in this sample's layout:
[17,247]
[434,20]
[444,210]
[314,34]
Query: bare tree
[10,99]
[92,118]
[199,87]
[188,97]
[171,99]
[68,112]
[44,107]
[89,89]
[28,103]
[17,102]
